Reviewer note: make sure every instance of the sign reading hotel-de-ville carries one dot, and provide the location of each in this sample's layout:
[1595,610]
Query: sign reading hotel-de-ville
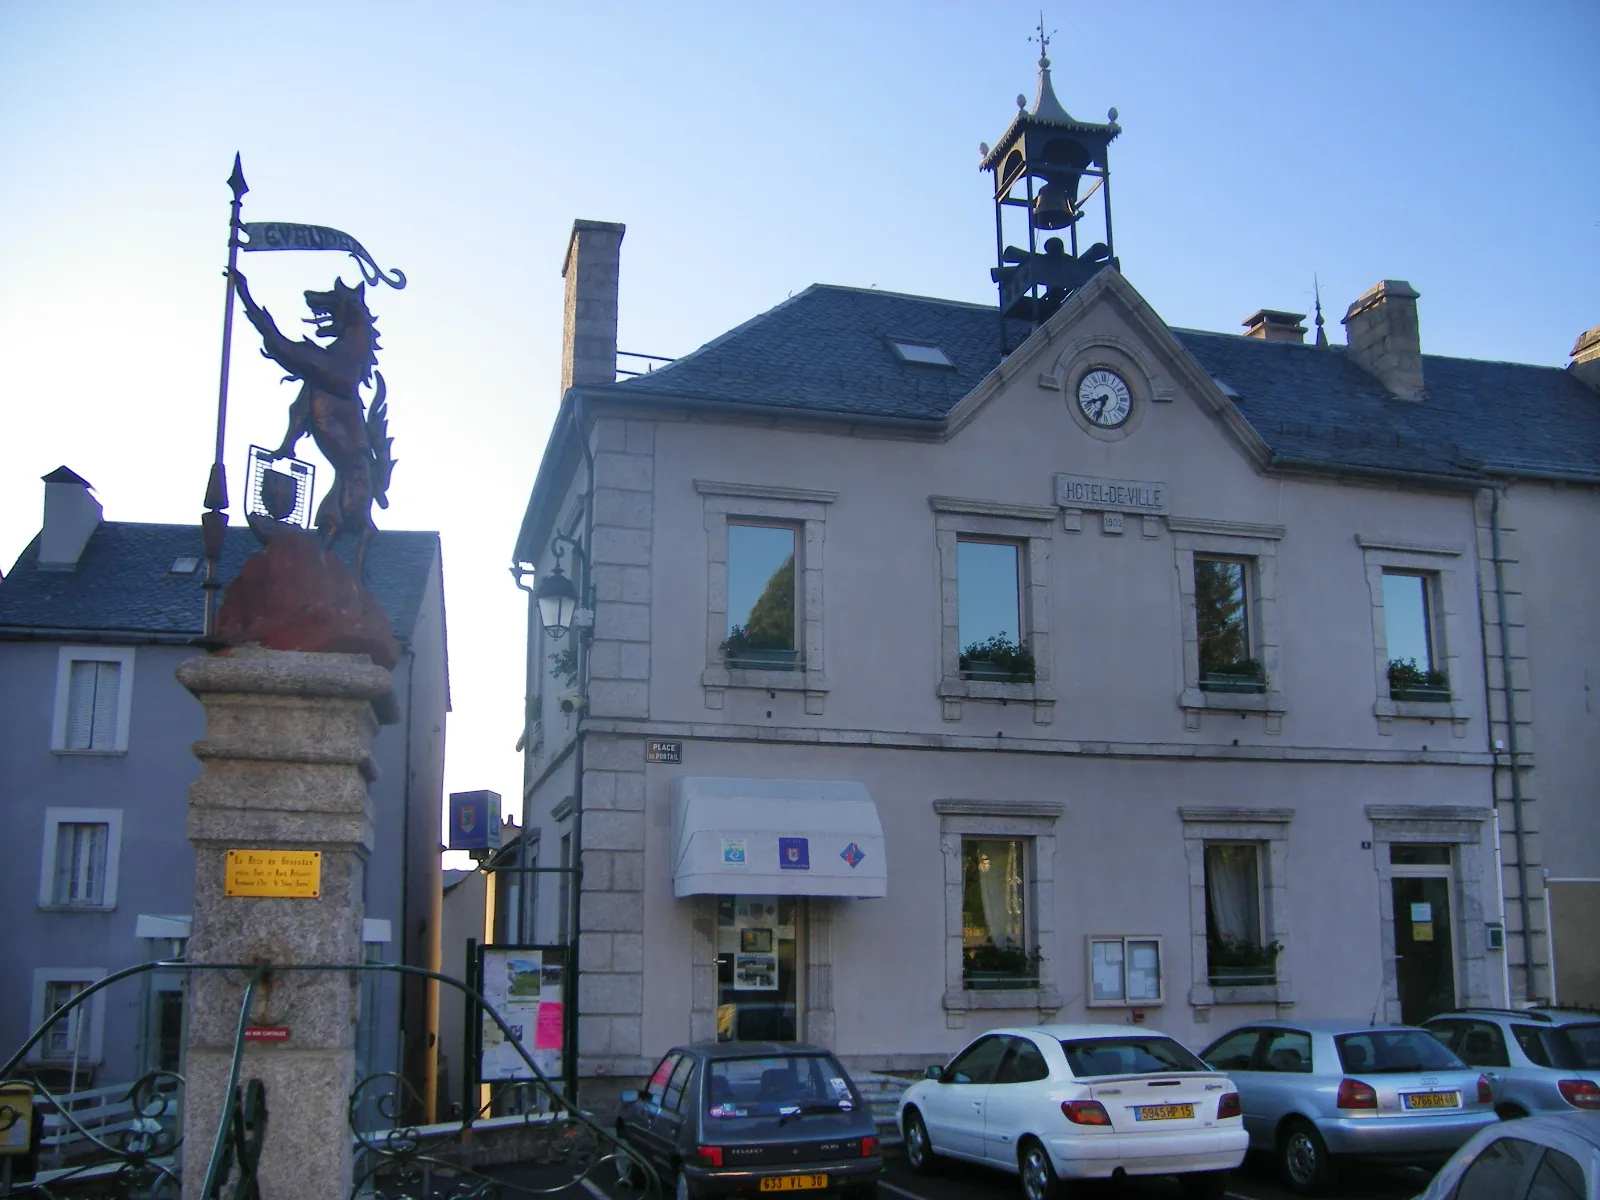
[1120,495]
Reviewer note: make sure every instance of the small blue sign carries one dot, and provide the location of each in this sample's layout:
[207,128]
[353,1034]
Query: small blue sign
[794,854]
[475,820]
[733,852]
[853,854]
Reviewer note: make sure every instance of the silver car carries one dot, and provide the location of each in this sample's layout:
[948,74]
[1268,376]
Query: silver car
[1540,1059]
[1317,1090]
[1551,1157]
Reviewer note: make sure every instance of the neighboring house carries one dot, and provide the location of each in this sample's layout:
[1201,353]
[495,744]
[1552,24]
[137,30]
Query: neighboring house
[812,803]
[96,870]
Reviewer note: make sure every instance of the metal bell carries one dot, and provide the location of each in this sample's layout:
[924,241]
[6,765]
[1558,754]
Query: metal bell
[1053,207]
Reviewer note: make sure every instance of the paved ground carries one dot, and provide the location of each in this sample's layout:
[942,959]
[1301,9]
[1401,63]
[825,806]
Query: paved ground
[959,1181]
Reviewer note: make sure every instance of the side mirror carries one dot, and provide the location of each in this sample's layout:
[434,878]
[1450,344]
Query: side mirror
[629,1096]
[934,1073]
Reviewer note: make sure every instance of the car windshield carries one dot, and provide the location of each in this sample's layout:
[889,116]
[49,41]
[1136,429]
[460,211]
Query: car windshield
[779,1086]
[1128,1056]
[1393,1052]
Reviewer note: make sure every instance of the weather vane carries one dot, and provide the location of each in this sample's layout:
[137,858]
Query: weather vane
[1042,37]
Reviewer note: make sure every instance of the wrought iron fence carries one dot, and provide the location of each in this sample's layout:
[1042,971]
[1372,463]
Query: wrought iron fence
[138,1151]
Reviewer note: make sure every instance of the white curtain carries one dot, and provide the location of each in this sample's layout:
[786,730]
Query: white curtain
[999,870]
[1231,884]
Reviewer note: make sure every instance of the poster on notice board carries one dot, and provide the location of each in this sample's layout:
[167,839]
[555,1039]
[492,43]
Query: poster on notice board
[526,986]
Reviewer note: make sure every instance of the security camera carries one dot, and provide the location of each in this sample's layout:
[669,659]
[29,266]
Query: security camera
[570,702]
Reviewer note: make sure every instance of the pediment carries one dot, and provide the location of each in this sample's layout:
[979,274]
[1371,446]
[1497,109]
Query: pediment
[1049,359]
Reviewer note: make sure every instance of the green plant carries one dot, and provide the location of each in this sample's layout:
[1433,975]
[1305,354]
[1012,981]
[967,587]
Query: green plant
[1244,668]
[565,661]
[1001,653]
[1404,673]
[1010,959]
[742,639]
[1240,952]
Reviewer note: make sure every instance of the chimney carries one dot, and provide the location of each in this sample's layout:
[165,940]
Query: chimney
[1381,332]
[589,325]
[1270,325]
[71,514]
[1585,364]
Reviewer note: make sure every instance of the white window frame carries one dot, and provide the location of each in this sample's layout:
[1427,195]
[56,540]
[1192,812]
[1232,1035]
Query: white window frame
[54,818]
[1033,821]
[1257,547]
[1268,830]
[1442,566]
[1125,941]
[804,509]
[92,1046]
[1030,527]
[68,655]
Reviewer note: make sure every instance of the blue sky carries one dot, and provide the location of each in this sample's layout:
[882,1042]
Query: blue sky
[752,149]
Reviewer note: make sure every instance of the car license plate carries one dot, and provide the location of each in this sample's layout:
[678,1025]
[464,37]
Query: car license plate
[1433,1099]
[793,1183]
[1163,1112]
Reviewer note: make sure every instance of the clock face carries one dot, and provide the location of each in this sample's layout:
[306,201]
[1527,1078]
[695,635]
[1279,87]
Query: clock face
[1104,398]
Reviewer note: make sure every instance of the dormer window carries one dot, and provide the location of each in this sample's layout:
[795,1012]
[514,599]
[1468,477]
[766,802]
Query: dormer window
[186,564]
[923,354]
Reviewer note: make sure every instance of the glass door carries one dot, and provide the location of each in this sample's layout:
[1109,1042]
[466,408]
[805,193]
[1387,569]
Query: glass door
[1425,970]
[758,968]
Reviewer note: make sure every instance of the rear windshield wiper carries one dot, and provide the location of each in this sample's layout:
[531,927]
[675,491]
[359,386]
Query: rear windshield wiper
[813,1109]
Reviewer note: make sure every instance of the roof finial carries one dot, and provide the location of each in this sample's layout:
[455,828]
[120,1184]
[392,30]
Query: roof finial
[1043,39]
[1316,286]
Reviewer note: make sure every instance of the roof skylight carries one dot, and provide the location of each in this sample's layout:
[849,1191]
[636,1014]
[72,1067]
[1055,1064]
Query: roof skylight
[924,354]
[186,564]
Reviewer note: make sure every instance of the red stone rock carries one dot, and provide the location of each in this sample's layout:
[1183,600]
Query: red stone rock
[294,595]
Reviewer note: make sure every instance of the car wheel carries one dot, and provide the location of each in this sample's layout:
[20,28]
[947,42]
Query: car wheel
[1204,1185]
[1509,1112]
[919,1150]
[685,1190]
[1038,1173]
[1303,1161]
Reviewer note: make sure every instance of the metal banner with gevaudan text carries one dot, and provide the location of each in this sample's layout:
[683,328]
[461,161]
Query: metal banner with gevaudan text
[284,235]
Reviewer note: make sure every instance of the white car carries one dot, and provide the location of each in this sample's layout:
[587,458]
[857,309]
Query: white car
[1055,1102]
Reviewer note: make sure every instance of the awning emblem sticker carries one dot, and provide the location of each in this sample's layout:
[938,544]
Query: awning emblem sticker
[853,854]
[794,854]
[733,852]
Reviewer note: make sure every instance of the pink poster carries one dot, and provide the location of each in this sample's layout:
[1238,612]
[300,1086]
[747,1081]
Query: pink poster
[547,1036]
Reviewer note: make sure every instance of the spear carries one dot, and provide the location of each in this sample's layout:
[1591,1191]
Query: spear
[214,521]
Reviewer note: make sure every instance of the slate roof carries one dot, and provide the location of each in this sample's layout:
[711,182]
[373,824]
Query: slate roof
[123,582]
[826,350]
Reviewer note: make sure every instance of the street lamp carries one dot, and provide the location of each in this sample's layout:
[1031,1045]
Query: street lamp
[558,602]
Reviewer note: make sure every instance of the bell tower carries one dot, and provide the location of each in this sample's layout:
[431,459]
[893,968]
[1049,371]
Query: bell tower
[1040,165]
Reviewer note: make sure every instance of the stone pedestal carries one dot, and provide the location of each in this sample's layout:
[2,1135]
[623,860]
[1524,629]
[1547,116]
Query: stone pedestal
[285,766]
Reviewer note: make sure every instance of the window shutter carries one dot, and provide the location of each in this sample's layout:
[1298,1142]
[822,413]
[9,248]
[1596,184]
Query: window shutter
[66,855]
[80,705]
[93,886]
[107,692]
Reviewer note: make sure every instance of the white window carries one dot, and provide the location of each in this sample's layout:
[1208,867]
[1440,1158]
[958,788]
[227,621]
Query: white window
[999,878]
[1417,631]
[1228,589]
[78,861]
[76,1035]
[1238,904]
[94,692]
[764,590]
[994,567]
[1124,971]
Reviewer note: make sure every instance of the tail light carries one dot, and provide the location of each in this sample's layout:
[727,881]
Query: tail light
[1486,1090]
[1085,1112]
[1229,1106]
[1580,1093]
[869,1147]
[1355,1094]
[710,1156]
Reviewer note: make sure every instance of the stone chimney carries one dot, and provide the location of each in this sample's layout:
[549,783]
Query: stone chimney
[1270,325]
[71,514]
[1585,364]
[589,326]
[1381,329]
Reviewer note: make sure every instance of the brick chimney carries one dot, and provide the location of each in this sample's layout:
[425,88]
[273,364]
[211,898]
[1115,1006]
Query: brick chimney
[589,326]
[1585,364]
[71,514]
[1270,325]
[1381,329]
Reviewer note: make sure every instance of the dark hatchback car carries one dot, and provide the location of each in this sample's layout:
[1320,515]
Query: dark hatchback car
[720,1118]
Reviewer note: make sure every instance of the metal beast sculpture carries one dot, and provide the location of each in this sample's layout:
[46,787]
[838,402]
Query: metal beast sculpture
[329,406]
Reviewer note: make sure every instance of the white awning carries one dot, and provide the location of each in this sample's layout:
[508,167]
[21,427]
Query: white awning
[783,837]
